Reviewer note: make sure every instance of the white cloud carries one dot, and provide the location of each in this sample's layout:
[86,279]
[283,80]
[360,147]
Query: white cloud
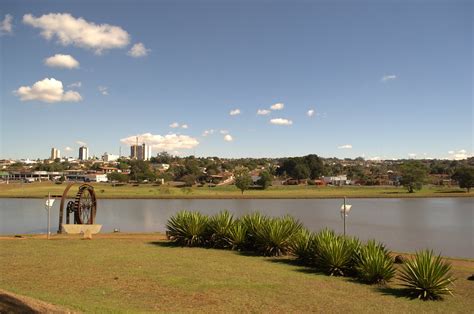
[412,155]
[79,32]
[263,112]
[175,125]
[388,77]
[375,158]
[277,106]
[103,90]
[346,146]
[62,61]
[228,138]
[458,155]
[138,50]
[6,26]
[224,132]
[310,113]
[280,121]
[75,85]
[68,149]
[81,143]
[167,142]
[48,90]
[208,132]
[234,112]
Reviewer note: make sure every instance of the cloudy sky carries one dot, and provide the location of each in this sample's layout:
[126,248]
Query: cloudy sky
[378,79]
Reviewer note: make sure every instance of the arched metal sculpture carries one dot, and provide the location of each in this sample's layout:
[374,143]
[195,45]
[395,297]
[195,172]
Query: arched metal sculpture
[84,206]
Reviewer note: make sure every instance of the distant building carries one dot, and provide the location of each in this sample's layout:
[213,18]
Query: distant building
[55,153]
[337,180]
[83,153]
[140,152]
[109,157]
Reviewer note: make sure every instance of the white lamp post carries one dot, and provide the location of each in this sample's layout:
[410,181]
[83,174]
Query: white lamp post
[345,209]
[49,203]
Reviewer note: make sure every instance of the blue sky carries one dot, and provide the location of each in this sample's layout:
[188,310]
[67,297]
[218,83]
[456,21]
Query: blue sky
[385,79]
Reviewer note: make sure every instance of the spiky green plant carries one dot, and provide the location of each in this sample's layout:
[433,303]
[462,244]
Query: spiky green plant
[304,247]
[426,276]
[253,222]
[334,253]
[355,246]
[374,263]
[275,236]
[220,225]
[188,228]
[237,235]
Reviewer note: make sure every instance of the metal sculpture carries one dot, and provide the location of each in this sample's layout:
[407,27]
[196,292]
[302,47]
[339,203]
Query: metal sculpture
[83,208]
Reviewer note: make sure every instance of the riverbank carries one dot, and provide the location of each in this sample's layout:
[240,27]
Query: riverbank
[149,191]
[144,273]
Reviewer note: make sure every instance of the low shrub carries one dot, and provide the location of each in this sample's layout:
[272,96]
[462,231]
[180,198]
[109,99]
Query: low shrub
[304,247]
[334,253]
[427,277]
[275,236]
[237,235]
[220,226]
[188,228]
[253,223]
[374,263]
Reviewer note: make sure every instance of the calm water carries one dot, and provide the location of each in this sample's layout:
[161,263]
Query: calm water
[443,224]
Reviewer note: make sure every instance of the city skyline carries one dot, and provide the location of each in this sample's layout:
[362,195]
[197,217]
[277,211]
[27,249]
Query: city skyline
[372,80]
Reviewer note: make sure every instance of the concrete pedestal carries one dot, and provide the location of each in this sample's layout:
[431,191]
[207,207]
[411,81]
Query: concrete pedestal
[77,229]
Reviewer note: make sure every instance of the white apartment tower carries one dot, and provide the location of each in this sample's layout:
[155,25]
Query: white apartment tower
[83,153]
[55,153]
[140,152]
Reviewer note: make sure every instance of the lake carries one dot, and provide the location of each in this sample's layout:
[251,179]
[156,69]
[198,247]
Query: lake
[445,225]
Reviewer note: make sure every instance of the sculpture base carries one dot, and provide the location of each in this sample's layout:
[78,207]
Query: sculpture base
[78,229]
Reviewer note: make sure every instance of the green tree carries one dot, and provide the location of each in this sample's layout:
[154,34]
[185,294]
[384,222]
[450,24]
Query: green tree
[315,165]
[301,171]
[414,175]
[189,180]
[243,180]
[140,170]
[117,176]
[265,179]
[465,178]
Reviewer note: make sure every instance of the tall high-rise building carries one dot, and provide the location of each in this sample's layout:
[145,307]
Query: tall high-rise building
[55,153]
[83,153]
[140,152]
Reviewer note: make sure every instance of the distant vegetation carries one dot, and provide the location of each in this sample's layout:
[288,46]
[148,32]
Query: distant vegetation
[308,170]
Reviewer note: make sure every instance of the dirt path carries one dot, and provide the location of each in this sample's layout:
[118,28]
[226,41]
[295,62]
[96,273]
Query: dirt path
[15,303]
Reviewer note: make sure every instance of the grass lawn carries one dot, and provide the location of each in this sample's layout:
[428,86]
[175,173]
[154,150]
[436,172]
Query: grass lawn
[138,273]
[104,190]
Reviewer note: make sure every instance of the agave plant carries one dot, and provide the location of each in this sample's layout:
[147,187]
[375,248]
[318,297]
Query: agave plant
[220,225]
[275,236]
[374,263]
[188,228]
[253,223]
[334,253]
[304,247]
[427,277]
[237,235]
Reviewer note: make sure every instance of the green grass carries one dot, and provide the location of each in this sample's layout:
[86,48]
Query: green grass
[39,190]
[137,273]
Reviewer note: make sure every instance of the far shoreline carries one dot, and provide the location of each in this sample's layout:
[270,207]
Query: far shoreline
[167,192]
[253,197]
